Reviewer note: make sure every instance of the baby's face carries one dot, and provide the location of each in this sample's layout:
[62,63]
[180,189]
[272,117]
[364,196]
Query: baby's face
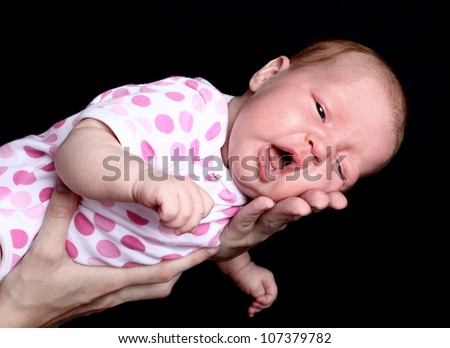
[310,128]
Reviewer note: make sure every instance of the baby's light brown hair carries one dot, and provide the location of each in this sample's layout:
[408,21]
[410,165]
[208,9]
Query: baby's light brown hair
[326,50]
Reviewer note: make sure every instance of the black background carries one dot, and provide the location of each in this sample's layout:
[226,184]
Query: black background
[381,262]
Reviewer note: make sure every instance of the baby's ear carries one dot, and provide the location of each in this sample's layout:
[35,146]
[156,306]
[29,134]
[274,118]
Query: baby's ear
[272,68]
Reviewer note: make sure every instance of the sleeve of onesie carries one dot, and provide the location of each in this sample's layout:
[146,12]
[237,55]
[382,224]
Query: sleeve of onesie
[155,121]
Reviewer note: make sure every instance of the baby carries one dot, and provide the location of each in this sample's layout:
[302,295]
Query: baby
[162,167]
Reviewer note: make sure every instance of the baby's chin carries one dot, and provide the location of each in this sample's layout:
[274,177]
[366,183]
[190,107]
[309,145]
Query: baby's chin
[252,192]
[254,188]
[249,190]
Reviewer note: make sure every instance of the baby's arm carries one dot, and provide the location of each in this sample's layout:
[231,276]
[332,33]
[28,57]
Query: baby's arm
[81,163]
[254,280]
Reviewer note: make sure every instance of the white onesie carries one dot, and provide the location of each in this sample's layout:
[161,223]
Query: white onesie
[178,123]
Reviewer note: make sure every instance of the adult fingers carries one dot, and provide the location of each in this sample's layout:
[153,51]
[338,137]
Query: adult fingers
[59,212]
[162,272]
[131,293]
[282,213]
[317,200]
[247,216]
[338,200]
[147,291]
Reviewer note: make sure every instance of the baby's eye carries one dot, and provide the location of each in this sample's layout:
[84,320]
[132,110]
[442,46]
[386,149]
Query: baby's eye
[321,111]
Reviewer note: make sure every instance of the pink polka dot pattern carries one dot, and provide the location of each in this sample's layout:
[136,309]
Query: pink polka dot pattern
[191,83]
[144,122]
[45,194]
[222,107]
[35,212]
[215,240]
[15,258]
[19,238]
[59,124]
[202,229]
[213,131]
[7,212]
[131,242]
[147,151]
[171,256]
[21,199]
[71,249]
[194,149]
[131,126]
[52,150]
[105,94]
[230,211]
[138,220]
[145,89]
[83,225]
[49,167]
[228,196]
[206,94]
[104,223]
[4,192]
[178,150]
[33,153]
[175,96]
[22,177]
[141,100]
[186,121]
[6,151]
[120,92]
[210,177]
[3,170]
[164,123]
[119,110]
[163,83]
[108,249]
[198,103]
[131,264]
[50,139]
[210,162]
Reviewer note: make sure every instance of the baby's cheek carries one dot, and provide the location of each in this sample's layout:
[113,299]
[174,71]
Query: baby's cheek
[322,177]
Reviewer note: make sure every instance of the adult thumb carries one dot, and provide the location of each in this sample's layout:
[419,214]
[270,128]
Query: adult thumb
[59,212]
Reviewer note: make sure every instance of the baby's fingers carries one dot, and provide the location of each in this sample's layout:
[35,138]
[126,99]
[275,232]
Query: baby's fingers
[260,303]
[182,215]
[201,204]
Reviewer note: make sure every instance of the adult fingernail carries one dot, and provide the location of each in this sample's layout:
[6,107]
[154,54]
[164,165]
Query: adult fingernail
[212,251]
[61,187]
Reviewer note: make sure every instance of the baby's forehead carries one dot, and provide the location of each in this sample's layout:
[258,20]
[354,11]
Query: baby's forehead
[350,67]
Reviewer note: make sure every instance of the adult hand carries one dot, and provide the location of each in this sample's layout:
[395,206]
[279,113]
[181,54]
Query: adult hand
[47,288]
[262,217]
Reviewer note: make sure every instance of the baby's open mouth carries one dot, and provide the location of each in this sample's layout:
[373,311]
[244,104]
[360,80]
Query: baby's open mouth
[278,159]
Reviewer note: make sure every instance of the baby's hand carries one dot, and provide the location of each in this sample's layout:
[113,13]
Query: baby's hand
[258,282]
[180,202]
